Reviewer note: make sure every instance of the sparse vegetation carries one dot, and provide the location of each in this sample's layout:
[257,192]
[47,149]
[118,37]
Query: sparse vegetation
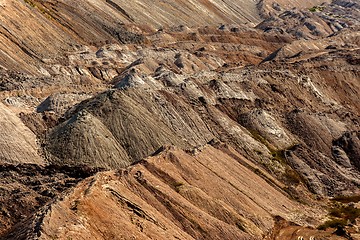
[240,226]
[317,9]
[178,185]
[292,176]
[342,215]
[334,223]
[39,7]
[347,199]
[30,3]
[256,135]
[278,155]
[349,212]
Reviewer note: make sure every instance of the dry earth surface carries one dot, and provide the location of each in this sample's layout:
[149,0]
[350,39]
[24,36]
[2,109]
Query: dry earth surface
[179,119]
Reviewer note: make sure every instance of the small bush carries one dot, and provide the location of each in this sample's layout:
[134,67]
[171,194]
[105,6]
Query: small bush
[240,226]
[30,3]
[292,176]
[257,171]
[316,9]
[342,215]
[347,199]
[177,186]
[278,155]
[258,152]
[345,212]
[334,223]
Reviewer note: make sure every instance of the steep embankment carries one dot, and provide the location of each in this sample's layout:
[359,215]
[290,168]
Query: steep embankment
[27,187]
[35,33]
[286,120]
[17,142]
[279,104]
[315,22]
[172,195]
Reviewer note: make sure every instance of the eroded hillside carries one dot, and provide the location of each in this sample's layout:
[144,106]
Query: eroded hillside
[208,120]
[172,195]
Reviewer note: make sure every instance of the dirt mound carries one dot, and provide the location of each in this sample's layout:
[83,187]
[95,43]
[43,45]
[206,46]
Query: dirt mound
[111,130]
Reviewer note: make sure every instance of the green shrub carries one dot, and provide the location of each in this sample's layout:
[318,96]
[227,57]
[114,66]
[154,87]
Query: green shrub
[345,212]
[278,155]
[317,9]
[341,215]
[334,223]
[31,3]
[347,199]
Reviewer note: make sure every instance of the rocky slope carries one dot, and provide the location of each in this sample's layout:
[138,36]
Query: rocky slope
[317,21]
[263,123]
[17,142]
[35,33]
[27,187]
[174,98]
[172,195]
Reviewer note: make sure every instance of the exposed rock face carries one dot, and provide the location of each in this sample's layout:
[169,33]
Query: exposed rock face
[106,84]
[262,113]
[319,20]
[17,142]
[60,103]
[27,187]
[172,195]
[347,147]
[42,26]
